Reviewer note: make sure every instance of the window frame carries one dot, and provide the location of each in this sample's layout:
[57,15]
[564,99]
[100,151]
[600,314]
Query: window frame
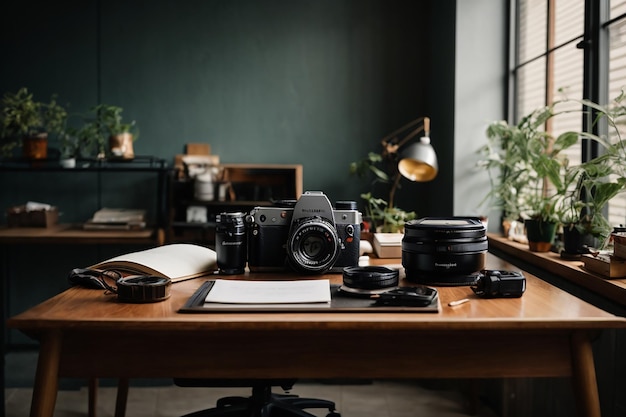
[594,43]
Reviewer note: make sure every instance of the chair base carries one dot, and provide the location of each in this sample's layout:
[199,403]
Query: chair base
[263,403]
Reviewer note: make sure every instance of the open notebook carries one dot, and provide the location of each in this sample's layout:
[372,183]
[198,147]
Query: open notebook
[177,261]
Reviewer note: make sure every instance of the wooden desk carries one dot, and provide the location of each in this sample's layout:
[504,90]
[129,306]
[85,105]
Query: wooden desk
[546,333]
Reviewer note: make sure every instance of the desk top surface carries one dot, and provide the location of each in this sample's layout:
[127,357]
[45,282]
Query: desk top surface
[542,307]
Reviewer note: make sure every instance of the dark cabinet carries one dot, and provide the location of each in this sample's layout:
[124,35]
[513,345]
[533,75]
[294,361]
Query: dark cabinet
[243,187]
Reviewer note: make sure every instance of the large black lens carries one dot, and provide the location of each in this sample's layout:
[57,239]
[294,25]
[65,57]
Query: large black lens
[313,246]
[231,243]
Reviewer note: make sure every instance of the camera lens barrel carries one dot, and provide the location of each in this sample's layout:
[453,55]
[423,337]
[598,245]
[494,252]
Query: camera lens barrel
[446,251]
[231,243]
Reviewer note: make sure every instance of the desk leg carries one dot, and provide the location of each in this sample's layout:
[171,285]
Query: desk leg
[122,397]
[47,376]
[92,406]
[585,384]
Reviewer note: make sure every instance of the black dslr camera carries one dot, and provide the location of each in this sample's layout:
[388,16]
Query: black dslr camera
[309,236]
[499,284]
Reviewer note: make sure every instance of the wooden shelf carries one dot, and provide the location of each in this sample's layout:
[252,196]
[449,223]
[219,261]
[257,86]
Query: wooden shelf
[613,289]
[75,234]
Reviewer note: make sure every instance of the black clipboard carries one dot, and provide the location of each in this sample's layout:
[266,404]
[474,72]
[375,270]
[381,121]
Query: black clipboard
[341,301]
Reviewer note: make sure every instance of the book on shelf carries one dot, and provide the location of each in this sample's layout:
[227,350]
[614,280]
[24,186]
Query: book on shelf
[117,219]
[176,261]
[605,264]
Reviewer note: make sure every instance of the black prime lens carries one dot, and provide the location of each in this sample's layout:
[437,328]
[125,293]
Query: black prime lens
[231,243]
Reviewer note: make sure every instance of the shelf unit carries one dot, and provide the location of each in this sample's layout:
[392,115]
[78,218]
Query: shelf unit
[252,185]
[73,233]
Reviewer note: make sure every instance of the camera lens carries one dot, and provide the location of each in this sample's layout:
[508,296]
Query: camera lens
[231,243]
[313,246]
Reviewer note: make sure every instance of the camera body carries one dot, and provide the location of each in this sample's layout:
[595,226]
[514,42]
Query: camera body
[499,284]
[310,237]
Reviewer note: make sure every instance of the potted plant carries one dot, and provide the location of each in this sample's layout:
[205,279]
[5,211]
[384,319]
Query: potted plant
[385,217]
[504,160]
[69,150]
[121,134]
[88,140]
[530,166]
[532,180]
[103,133]
[597,181]
[26,122]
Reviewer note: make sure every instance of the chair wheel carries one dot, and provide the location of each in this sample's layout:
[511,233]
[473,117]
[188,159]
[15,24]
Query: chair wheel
[333,414]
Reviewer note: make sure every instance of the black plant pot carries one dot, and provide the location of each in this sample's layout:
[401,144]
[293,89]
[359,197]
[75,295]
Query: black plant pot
[575,243]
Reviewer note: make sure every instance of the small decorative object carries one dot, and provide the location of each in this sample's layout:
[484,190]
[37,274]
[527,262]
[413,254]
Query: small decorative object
[388,245]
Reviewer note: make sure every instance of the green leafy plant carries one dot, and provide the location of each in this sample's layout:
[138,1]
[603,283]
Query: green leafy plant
[600,179]
[531,178]
[23,116]
[386,217]
[101,122]
[526,166]
[110,119]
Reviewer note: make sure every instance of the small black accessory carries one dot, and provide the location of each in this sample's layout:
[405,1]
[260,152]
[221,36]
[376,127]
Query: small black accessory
[131,289]
[143,289]
[91,278]
[419,296]
[368,280]
[499,284]
[370,277]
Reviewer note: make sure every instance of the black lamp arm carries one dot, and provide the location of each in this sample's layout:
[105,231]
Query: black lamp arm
[391,143]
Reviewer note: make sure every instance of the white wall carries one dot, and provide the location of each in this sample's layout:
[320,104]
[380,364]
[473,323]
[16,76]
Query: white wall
[480,87]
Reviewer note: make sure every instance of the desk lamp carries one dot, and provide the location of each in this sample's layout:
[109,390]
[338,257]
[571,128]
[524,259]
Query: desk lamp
[417,161]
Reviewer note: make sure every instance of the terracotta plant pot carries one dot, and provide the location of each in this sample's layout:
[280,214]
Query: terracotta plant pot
[121,146]
[35,146]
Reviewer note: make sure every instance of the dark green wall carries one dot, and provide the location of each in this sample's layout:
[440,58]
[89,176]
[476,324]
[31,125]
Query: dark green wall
[266,81]
[316,83]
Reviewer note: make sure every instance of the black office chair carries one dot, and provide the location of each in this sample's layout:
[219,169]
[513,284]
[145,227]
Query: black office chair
[262,402]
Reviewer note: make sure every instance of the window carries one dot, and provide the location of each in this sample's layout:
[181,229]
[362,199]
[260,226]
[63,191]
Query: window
[550,64]
[616,68]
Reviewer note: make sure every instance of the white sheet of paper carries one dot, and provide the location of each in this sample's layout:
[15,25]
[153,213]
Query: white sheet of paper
[269,292]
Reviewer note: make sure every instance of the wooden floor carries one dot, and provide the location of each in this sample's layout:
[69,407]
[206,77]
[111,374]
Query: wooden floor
[376,399]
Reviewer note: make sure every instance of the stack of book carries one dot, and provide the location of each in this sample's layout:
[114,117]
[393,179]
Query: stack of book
[117,219]
[607,264]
